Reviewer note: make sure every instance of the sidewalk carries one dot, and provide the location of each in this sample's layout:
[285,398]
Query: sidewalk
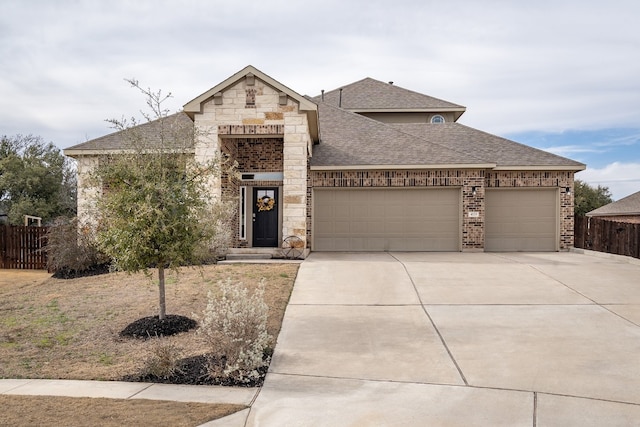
[125,390]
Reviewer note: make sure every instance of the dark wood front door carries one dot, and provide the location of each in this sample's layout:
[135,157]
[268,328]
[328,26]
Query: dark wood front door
[265,217]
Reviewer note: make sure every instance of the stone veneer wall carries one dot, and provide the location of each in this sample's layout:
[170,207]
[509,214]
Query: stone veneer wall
[472,228]
[254,112]
[86,193]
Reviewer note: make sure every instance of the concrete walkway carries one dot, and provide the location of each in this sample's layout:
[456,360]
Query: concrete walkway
[457,339]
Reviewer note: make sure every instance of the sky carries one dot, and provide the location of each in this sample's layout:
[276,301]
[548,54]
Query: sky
[563,76]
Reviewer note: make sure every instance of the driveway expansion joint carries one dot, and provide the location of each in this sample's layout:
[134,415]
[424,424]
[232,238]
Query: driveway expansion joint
[435,327]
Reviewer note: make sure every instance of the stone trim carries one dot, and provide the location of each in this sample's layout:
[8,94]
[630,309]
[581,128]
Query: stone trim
[249,129]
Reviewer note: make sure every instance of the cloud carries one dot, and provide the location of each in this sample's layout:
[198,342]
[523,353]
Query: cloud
[621,178]
[516,66]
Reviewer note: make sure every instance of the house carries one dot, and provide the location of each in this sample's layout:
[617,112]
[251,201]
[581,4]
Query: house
[624,210]
[370,167]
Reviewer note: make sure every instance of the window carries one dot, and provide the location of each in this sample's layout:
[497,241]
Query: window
[243,213]
[437,119]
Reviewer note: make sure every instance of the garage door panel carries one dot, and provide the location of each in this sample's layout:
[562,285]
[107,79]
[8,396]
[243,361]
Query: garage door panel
[521,220]
[387,219]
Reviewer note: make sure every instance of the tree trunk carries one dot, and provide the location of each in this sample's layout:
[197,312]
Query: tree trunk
[163,307]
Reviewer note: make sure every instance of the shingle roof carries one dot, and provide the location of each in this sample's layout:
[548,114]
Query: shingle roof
[629,205]
[484,145]
[371,94]
[149,131]
[349,139]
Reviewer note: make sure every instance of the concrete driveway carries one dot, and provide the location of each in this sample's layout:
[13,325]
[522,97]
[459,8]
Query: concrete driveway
[457,339]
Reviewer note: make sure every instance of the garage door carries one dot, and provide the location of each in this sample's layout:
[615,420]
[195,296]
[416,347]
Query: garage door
[386,220]
[521,220]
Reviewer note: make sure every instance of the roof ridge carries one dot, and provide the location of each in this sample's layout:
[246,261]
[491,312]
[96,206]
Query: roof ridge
[394,87]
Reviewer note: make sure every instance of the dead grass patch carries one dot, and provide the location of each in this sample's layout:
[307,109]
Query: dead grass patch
[30,411]
[68,329]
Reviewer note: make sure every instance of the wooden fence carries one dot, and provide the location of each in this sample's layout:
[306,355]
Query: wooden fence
[597,234]
[22,248]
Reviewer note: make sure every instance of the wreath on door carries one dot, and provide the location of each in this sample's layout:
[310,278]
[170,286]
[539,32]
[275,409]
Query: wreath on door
[265,203]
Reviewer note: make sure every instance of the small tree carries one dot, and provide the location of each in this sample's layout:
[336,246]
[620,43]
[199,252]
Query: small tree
[156,206]
[588,198]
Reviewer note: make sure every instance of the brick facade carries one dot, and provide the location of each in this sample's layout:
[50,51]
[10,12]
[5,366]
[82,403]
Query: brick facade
[467,180]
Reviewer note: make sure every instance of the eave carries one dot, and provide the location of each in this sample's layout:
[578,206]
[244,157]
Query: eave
[79,153]
[458,111]
[404,167]
[568,168]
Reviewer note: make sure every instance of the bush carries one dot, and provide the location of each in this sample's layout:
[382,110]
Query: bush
[220,227]
[163,360]
[235,329]
[71,249]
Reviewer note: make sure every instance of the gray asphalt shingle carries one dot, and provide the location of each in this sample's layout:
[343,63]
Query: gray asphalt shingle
[369,94]
[150,131]
[629,205]
[349,139]
[492,148]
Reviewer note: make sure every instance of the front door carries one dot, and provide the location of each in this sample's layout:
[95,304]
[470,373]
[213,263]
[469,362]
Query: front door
[265,217]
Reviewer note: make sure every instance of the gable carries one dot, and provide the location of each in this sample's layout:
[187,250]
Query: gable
[370,95]
[196,105]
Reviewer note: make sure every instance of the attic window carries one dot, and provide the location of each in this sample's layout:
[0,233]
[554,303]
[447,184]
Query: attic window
[437,119]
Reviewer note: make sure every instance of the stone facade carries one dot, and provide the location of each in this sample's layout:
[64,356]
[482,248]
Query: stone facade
[86,192]
[254,127]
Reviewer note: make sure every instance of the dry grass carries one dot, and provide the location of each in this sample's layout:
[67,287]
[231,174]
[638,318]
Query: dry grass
[68,329]
[80,412]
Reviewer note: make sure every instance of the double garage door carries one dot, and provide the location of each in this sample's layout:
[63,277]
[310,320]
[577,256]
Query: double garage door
[387,219]
[431,220]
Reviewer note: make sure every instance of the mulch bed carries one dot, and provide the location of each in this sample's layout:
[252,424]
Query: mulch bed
[94,270]
[190,370]
[152,326]
[193,371]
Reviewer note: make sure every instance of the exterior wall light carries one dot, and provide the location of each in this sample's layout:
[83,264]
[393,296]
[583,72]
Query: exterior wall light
[474,190]
[568,191]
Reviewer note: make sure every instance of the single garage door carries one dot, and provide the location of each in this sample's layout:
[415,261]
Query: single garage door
[386,219]
[521,220]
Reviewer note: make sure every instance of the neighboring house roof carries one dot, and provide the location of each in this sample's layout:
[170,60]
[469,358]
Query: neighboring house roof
[629,205]
[350,140]
[118,141]
[370,95]
[195,105]
[506,154]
